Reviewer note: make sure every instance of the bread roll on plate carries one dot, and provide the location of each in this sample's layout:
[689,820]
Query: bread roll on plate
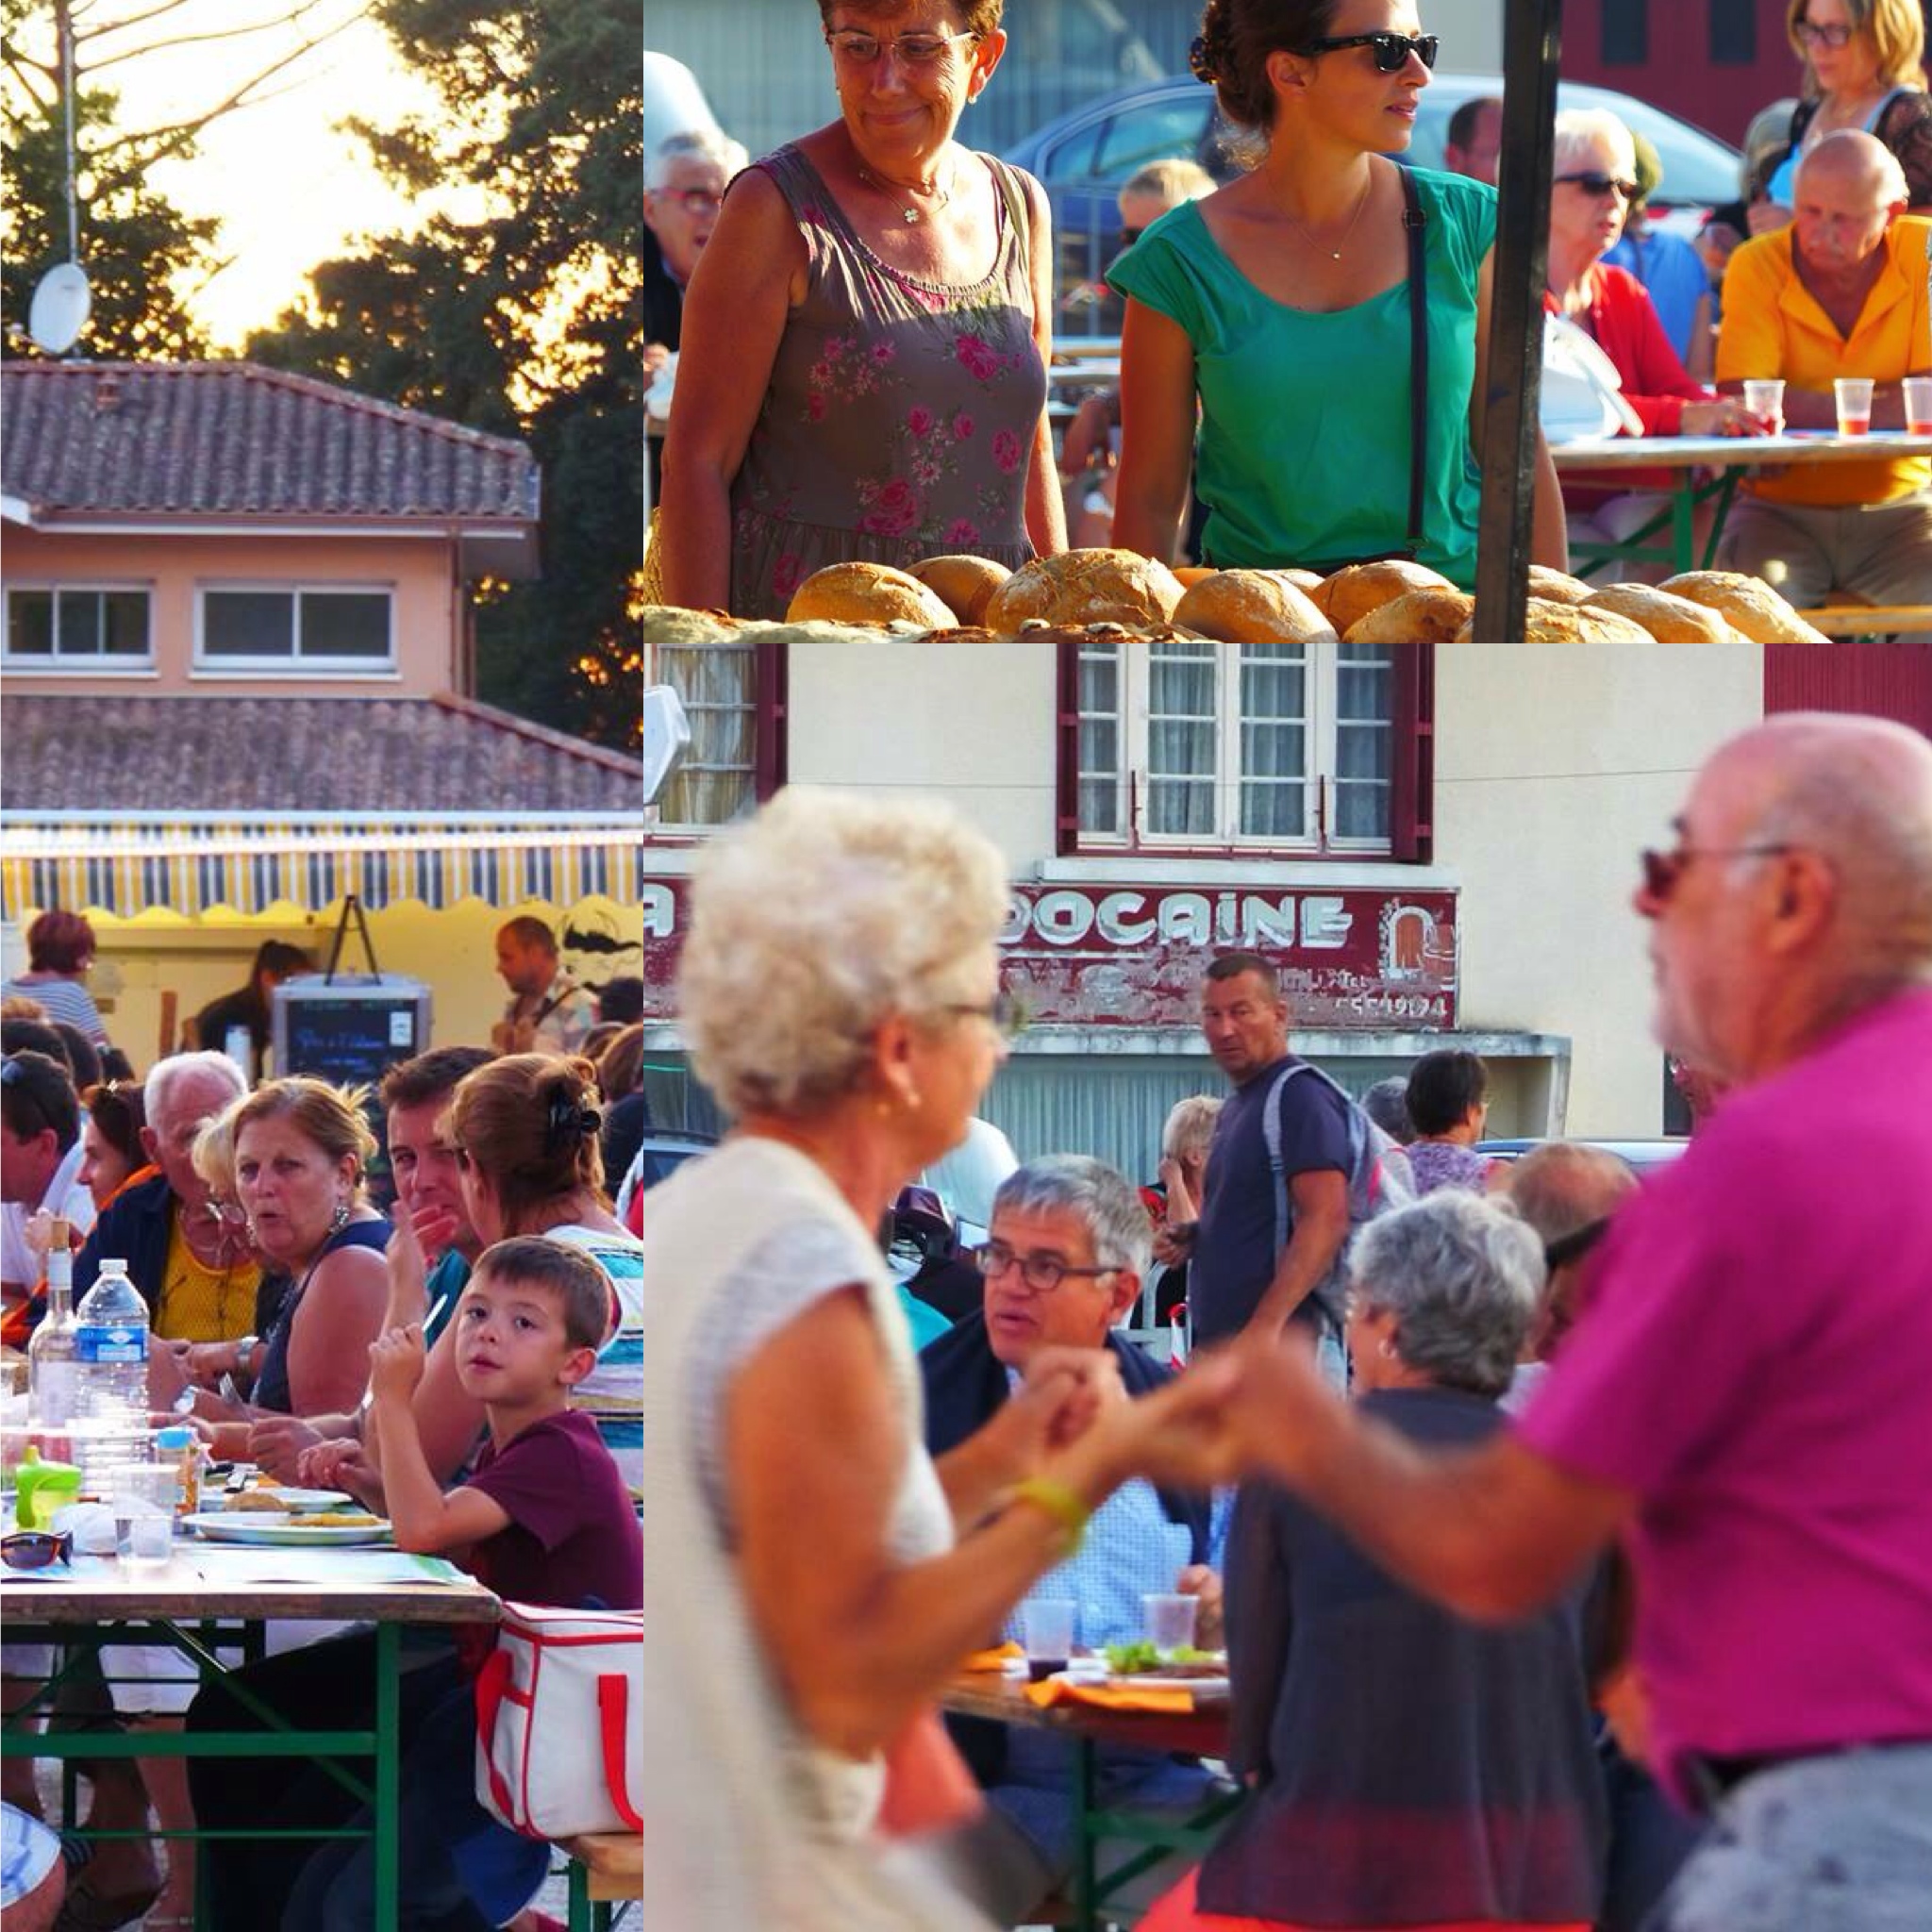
[1416,617]
[1252,606]
[1750,605]
[965,583]
[1558,587]
[1670,619]
[1360,588]
[1086,587]
[1546,622]
[868,593]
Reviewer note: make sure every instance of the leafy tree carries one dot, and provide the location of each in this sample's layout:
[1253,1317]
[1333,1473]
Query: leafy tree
[514,307]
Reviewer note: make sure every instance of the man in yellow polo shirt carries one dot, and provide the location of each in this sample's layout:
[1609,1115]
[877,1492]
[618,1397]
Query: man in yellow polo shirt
[1842,291]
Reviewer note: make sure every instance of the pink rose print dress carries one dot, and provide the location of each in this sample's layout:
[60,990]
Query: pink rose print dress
[901,413]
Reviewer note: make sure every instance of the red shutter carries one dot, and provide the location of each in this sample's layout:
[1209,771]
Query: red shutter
[1865,676]
[1412,752]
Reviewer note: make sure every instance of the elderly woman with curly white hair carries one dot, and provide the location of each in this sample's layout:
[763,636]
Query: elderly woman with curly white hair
[811,1579]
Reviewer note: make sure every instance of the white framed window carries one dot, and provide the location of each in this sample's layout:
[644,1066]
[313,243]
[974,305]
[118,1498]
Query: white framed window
[67,627]
[716,780]
[256,628]
[1201,746]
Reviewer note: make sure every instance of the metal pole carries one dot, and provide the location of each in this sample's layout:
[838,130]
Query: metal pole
[63,27]
[1532,41]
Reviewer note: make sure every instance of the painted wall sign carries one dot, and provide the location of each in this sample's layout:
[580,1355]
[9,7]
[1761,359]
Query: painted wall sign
[1131,956]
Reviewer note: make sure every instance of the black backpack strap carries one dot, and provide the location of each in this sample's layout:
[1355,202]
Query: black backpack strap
[1415,220]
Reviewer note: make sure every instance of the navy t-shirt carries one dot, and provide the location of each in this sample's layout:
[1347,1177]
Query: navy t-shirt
[1235,1249]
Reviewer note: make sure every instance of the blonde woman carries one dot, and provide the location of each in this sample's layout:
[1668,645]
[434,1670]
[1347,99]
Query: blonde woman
[811,1578]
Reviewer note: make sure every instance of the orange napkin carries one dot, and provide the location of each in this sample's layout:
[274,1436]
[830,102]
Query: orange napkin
[1177,1701]
[993,1659]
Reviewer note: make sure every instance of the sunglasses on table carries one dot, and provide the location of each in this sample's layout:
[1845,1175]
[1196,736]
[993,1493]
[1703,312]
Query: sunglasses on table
[1391,50]
[1663,870]
[36,1549]
[861,49]
[1593,182]
[1838,35]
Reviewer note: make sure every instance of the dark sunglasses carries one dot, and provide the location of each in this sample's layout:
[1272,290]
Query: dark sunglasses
[1591,182]
[1663,870]
[1391,50]
[35,1549]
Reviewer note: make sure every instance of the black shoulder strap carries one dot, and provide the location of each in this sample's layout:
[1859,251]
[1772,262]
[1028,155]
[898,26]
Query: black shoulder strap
[1414,220]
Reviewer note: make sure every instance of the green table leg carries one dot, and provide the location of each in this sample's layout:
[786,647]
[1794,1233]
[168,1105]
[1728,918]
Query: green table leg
[1725,491]
[579,1898]
[1684,523]
[389,1775]
[1087,1869]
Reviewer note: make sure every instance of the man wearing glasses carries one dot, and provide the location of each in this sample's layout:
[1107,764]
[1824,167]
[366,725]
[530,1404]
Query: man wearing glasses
[1743,1397]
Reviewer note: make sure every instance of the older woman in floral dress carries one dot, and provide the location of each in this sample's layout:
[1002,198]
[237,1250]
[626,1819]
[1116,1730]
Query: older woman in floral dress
[866,337]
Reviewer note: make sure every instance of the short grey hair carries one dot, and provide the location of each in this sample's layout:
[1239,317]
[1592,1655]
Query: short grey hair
[1579,129]
[1462,1275]
[701,144]
[1563,1185]
[1106,1204]
[1190,1126]
[164,1074]
[1386,1104]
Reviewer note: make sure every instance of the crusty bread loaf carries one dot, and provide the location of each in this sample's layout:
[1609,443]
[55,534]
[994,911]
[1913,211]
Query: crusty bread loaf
[1558,587]
[1309,582]
[672,624]
[1750,605]
[1252,606]
[1670,619]
[1085,587]
[1186,575]
[868,593]
[1360,588]
[1547,621]
[965,583]
[1416,617]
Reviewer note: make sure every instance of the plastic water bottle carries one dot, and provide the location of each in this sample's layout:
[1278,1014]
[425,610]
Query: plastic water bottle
[52,1376]
[110,1345]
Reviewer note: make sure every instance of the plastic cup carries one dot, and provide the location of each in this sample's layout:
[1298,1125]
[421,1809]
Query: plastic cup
[151,1536]
[1918,404]
[1765,399]
[1046,1628]
[1853,393]
[1170,1621]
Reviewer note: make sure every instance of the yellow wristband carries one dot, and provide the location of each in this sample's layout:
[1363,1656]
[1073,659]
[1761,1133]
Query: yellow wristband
[1059,1502]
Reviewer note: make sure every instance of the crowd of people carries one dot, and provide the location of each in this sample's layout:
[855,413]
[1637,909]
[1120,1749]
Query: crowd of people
[1568,1533]
[857,384]
[422,1296]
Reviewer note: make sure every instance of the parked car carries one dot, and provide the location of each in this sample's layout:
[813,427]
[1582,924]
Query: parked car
[1085,157]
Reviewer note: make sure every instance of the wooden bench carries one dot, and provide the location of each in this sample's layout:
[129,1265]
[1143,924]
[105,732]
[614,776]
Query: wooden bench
[1843,621]
[603,1871]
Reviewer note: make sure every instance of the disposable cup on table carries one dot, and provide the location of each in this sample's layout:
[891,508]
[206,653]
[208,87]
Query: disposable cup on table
[1765,399]
[1918,404]
[1170,1621]
[1853,393]
[151,1536]
[1046,1629]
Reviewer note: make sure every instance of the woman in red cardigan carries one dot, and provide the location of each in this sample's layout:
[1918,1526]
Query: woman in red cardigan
[1596,167]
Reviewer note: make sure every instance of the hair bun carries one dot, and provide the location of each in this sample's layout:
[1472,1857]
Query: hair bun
[568,1120]
[1201,61]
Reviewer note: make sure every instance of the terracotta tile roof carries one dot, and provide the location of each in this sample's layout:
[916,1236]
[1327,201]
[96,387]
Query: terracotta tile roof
[233,438]
[267,754]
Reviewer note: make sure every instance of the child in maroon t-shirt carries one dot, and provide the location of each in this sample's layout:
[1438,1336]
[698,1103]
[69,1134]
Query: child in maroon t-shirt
[544,1518]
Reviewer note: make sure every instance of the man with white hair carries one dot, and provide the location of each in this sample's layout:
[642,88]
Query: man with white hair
[1840,292]
[1743,1397]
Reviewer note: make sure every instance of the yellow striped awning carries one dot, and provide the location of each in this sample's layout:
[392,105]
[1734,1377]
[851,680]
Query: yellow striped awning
[190,866]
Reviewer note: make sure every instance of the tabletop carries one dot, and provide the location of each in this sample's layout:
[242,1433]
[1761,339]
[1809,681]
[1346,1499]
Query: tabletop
[1202,1733]
[202,1581]
[1735,452]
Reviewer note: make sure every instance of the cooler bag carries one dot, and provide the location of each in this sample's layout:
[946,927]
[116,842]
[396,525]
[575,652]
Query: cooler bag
[560,1721]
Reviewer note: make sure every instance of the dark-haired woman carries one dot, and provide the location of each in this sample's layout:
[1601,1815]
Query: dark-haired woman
[1284,309]
[112,1159]
[867,333]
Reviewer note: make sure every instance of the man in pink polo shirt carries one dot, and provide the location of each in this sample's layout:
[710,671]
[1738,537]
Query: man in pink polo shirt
[1747,1396]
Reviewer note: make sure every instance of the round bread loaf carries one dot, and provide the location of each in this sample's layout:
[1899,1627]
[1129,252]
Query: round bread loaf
[1750,605]
[868,593]
[1188,576]
[1546,622]
[1086,587]
[1558,587]
[965,583]
[1670,619]
[1309,582]
[1252,606]
[1416,617]
[1360,588]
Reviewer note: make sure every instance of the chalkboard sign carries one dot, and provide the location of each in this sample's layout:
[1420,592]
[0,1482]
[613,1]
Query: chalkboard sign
[349,1030]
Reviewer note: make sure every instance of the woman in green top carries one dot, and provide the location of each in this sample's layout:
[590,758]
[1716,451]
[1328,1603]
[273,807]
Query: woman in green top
[1283,303]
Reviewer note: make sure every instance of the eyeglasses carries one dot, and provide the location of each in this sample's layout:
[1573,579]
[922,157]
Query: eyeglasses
[35,1549]
[1663,870]
[1042,1274]
[696,200]
[1004,1013]
[1391,50]
[859,48]
[1594,182]
[1836,36]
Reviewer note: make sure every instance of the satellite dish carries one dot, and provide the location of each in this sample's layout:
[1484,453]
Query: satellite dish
[667,737]
[59,309]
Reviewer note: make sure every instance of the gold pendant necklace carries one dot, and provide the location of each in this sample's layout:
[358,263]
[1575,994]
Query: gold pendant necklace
[893,192]
[1334,254]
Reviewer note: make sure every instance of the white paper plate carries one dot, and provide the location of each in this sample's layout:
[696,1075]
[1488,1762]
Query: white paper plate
[259,1527]
[1205,1690]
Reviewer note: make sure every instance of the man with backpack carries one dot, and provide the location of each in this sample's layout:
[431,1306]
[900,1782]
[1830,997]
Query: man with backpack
[1294,1165]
